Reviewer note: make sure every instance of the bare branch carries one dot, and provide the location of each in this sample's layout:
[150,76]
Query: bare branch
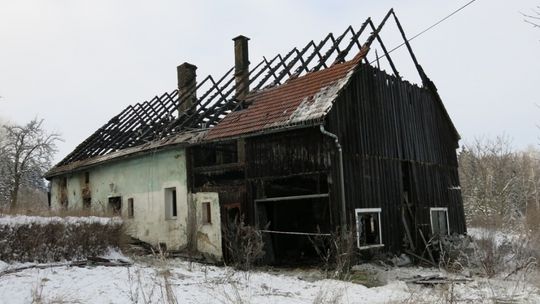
[531,23]
[25,154]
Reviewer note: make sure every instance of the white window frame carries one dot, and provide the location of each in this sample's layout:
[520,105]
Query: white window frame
[169,203]
[438,209]
[358,211]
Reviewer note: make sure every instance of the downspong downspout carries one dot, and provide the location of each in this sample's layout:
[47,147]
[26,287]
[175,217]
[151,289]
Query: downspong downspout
[343,217]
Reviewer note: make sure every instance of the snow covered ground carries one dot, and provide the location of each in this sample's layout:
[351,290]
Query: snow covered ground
[157,280]
[26,220]
[153,280]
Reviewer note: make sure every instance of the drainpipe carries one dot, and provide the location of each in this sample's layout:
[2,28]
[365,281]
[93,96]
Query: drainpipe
[341,180]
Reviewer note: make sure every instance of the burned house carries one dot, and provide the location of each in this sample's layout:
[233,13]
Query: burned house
[299,145]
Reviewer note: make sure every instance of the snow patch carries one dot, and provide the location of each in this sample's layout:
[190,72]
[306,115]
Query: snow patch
[23,220]
[500,237]
[114,254]
[318,105]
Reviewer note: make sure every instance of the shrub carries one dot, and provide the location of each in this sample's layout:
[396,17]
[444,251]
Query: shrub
[46,239]
[244,244]
[337,253]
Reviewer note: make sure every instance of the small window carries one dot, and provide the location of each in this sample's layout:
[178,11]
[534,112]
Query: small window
[206,213]
[131,212]
[439,221]
[115,205]
[87,202]
[171,207]
[87,177]
[63,193]
[368,226]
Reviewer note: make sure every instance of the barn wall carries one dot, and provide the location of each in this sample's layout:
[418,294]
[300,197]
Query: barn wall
[294,163]
[387,126]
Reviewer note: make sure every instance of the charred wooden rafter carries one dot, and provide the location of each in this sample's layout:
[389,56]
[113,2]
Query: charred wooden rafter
[158,118]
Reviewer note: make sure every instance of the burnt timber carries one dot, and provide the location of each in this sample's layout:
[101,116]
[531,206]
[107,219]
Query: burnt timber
[304,143]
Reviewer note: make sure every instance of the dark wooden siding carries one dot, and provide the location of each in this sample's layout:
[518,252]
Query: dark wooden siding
[286,153]
[385,125]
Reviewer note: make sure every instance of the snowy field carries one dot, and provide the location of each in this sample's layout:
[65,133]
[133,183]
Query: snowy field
[153,280]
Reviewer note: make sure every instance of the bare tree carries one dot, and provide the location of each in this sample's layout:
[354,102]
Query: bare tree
[27,153]
[497,182]
[533,18]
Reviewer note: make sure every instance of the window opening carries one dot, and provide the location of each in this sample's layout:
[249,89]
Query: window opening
[115,205]
[439,221]
[368,226]
[131,211]
[171,206]
[206,213]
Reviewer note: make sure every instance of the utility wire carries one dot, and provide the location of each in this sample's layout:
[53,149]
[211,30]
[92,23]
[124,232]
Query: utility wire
[427,29]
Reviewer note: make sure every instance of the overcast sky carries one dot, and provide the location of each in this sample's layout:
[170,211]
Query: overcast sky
[78,63]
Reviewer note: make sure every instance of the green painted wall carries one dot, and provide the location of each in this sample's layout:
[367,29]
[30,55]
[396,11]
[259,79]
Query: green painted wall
[144,179]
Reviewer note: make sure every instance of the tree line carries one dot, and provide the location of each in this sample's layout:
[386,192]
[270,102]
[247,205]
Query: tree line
[499,185]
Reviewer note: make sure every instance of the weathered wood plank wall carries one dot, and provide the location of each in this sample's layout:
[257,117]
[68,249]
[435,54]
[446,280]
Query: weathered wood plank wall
[385,124]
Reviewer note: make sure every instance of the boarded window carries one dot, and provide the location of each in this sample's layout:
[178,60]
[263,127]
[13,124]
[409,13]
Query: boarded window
[115,205]
[439,221]
[206,213]
[171,206]
[368,226]
[131,211]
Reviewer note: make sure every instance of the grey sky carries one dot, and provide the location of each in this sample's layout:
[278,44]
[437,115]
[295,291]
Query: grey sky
[77,63]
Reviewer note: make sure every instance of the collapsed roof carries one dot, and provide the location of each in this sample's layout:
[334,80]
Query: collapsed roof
[285,90]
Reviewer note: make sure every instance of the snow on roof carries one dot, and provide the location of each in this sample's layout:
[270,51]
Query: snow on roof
[300,100]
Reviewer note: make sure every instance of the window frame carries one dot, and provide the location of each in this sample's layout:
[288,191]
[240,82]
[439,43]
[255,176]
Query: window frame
[110,206]
[171,203]
[206,214]
[358,211]
[439,209]
[131,208]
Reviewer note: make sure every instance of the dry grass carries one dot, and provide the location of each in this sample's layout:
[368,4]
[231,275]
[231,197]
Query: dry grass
[337,253]
[244,244]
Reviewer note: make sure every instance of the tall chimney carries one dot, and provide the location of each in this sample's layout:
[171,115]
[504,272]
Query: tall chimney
[241,66]
[187,82]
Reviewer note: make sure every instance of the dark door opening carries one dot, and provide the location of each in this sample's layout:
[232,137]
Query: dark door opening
[293,227]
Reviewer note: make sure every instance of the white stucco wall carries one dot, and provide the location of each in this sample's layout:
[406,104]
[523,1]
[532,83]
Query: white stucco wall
[208,235]
[144,179]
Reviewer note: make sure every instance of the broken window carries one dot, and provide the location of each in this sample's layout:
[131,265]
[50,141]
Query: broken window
[206,213]
[368,226]
[131,212]
[439,221]
[87,202]
[171,208]
[115,205]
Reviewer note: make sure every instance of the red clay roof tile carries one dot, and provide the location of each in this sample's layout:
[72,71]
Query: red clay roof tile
[302,99]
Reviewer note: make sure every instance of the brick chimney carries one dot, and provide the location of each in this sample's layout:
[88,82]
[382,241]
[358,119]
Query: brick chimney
[187,81]
[241,66]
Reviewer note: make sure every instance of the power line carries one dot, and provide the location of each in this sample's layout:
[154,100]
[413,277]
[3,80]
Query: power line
[429,28]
